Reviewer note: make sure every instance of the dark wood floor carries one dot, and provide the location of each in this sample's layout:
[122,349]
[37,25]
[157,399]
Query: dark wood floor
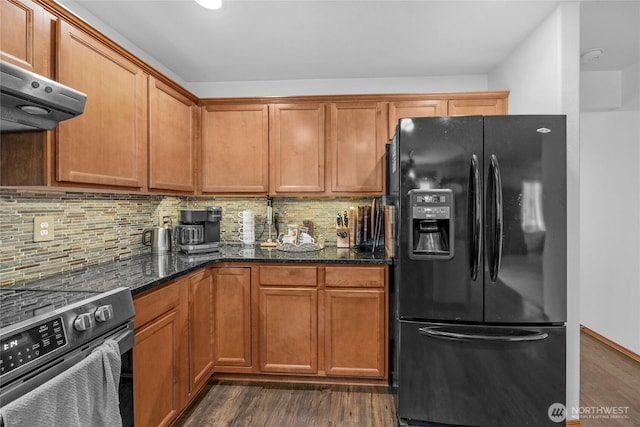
[609,379]
[234,404]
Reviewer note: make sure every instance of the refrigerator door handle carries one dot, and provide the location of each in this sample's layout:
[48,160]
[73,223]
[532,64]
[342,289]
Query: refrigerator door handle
[475,217]
[496,241]
[521,335]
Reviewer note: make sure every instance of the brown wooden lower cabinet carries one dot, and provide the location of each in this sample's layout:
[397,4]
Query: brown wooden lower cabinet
[200,329]
[317,321]
[157,356]
[232,318]
[356,319]
[323,320]
[288,330]
[355,333]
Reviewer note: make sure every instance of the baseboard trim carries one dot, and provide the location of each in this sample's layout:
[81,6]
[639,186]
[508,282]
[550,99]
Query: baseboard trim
[611,344]
[573,423]
[289,379]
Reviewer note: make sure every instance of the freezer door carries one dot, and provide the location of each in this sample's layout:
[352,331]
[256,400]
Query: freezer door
[481,376]
[441,153]
[525,219]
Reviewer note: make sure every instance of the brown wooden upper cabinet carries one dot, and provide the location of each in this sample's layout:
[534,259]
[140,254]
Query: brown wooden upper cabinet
[414,108]
[107,144]
[464,104]
[357,147]
[297,148]
[235,149]
[172,131]
[474,106]
[25,35]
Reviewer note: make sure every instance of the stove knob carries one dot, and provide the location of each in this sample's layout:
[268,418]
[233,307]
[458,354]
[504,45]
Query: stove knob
[104,313]
[83,322]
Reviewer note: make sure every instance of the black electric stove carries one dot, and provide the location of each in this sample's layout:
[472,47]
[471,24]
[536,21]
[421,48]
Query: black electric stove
[43,331]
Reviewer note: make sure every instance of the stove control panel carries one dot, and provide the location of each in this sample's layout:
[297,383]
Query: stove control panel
[32,344]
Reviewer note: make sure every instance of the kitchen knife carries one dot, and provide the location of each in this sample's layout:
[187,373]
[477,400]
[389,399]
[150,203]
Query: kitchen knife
[351,216]
[276,223]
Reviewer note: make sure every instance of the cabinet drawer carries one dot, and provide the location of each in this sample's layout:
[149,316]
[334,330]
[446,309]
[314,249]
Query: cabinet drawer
[155,303]
[288,276]
[355,277]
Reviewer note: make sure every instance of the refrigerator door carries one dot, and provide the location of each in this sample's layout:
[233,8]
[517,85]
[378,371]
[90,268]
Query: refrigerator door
[475,375]
[441,153]
[525,219]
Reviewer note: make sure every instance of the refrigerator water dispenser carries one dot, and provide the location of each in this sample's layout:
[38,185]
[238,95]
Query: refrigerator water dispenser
[431,224]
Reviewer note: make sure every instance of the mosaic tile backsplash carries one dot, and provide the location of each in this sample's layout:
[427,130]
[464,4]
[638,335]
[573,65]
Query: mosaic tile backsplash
[92,228]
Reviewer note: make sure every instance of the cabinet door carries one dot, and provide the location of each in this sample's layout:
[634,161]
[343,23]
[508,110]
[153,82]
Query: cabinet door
[171,138]
[232,317]
[473,107]
[155,365]
[417,108]
[107,144]
[25,39]
[355,333]
[288,330]
[235,149]
[200,329]
[297,143]
[357,147]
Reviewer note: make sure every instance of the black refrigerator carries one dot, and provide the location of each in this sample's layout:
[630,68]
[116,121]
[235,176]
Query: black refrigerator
[480,269]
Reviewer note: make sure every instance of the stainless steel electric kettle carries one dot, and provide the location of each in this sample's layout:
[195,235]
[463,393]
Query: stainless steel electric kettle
[159,238]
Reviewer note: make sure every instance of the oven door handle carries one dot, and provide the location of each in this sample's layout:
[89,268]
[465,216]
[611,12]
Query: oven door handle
[124,340]
[21,386]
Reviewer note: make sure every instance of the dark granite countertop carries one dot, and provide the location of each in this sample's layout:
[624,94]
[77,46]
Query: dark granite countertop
[144,272]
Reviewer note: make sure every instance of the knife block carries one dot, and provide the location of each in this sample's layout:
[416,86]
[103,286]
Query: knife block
[342,237]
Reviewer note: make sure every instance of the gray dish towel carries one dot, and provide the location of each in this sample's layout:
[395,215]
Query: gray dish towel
[84,395]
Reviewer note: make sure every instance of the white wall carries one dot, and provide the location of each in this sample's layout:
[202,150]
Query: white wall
[543,75]
[610,176]
[431,84]
[600,90]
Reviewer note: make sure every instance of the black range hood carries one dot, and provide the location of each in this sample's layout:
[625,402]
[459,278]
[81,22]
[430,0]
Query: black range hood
[32,102]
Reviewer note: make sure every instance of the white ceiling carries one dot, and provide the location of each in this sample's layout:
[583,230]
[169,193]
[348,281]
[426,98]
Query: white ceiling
[333,39]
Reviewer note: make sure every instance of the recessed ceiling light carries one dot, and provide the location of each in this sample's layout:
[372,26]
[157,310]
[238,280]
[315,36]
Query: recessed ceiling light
[210,4]
[591,55]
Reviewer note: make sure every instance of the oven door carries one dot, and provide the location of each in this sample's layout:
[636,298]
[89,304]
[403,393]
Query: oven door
[125,390]
[17,388]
